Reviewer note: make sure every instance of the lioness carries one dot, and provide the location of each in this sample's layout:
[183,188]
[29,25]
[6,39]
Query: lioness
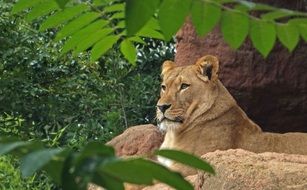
[199,115]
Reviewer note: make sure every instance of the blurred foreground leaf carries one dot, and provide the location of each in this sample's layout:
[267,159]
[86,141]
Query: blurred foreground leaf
[186,159]
[140,171]
[36,160]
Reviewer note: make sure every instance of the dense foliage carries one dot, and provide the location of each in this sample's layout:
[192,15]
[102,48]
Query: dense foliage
[42,88]
[11,178]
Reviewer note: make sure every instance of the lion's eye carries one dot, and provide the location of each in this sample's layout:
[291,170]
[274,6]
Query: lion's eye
[163,87]
[184,86]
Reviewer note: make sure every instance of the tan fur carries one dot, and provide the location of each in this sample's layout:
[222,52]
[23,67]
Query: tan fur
[204,117]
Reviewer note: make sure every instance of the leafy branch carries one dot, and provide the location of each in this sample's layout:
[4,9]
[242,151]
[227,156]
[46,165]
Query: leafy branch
[98,26]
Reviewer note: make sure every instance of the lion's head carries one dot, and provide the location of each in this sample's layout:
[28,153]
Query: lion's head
[186,91]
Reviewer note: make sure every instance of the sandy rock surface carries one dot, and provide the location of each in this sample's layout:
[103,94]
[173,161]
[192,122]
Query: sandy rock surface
[240,170]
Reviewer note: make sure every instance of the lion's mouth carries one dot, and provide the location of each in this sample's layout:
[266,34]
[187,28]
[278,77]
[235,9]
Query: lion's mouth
[177,119]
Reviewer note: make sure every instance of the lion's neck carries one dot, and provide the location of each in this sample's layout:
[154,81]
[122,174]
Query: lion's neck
[223,102]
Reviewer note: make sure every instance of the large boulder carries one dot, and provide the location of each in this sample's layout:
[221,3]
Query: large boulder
[239,169]
[139,140]
[272,91]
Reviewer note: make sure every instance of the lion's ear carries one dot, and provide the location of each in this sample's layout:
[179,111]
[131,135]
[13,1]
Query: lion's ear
[167,66]
[208,66]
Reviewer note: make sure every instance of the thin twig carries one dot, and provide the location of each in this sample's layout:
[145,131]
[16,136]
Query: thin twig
[123,108]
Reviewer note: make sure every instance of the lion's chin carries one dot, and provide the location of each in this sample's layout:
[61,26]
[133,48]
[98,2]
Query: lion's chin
[167,124]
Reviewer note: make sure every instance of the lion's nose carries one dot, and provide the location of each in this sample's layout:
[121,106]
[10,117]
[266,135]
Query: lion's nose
[164,107]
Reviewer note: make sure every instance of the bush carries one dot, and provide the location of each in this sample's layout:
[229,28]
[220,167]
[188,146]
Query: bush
[10,177]
[66,100]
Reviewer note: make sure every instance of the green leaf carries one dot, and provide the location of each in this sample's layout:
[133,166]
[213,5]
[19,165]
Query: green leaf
[241,8]
[288,35]
[108,182]
[55,166]
[101,2]
[119,15]
[91,39]
[226,1]
[82,34]
[62,3]
[137,39]
[150,33]
[41,9]
[8,147]
[172,14]
[21,5]
[103,46]
[95,149]
[69,181]
[234,27]
[98,148]
[53,170]
[128,50]
[18,148]
[121,24]
[63,16]
[150,30]
[76,24]
[186,159]
[139,171]
[131,171]
[115,8]
[153,24]
[205,16]
[248,5]
[301,23]
[280,13]
[263,36]
[135,8]
[86,170]
[36,160]
[303,31]
[256,6]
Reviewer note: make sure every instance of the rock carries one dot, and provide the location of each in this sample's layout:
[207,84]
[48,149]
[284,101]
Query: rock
[158,186]
[272,91]
[139,140]
[94,187]
[239,169]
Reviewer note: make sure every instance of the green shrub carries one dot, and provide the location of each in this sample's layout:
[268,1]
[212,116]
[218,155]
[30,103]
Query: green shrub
[66,100]
[11,179]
